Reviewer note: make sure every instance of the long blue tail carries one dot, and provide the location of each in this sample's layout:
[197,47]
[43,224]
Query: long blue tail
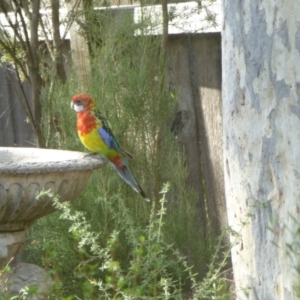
[125,173]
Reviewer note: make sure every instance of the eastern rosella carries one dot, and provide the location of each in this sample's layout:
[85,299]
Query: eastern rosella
[96,135]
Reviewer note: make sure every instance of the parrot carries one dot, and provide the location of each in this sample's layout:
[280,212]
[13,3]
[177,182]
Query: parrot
[96,135]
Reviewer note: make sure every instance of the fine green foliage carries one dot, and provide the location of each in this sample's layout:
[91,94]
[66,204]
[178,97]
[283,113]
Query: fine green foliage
[109,243]
[132,263]
[151,269]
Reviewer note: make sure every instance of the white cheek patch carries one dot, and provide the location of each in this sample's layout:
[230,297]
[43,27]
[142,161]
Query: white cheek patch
[78,108]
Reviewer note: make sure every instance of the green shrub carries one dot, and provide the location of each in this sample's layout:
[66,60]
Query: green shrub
[119,246]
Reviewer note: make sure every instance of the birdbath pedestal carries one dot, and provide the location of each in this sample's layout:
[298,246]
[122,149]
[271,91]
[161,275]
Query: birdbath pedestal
[24,174]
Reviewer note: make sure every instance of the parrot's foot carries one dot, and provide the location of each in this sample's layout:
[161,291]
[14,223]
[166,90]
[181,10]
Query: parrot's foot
[96,156]
[91,154]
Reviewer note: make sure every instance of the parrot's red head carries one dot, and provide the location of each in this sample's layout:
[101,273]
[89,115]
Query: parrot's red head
[82,102]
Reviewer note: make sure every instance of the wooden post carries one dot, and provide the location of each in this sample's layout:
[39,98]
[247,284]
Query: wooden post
[195,71]
[80,55]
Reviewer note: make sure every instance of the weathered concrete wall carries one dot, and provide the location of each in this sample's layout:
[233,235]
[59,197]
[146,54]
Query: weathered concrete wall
[261,100]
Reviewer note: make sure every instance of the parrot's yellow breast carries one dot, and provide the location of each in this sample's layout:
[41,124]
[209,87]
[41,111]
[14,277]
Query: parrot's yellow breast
[93,141]
[88,131]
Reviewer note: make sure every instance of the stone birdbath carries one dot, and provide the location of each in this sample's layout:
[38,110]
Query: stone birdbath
[24,173]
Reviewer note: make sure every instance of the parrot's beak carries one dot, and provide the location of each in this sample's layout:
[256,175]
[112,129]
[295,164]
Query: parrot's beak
[77,107]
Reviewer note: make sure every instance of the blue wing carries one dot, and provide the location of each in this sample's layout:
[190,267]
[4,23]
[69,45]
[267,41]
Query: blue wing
[108,138]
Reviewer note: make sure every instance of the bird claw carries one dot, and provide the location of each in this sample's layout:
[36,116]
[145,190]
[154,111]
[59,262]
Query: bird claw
[96,156]
[90,155]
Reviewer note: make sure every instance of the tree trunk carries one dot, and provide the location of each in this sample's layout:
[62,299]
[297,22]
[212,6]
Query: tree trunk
[57,42]
[34,68]
[261,113]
